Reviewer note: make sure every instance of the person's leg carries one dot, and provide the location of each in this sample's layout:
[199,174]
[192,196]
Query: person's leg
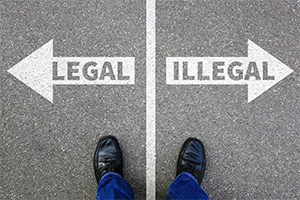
[191,166]
[108,166]
[113,186]
[185,186]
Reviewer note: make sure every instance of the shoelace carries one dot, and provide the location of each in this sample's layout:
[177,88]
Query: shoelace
[108,167]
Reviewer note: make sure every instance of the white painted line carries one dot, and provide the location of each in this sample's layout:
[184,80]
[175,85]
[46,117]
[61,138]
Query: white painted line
[150,99]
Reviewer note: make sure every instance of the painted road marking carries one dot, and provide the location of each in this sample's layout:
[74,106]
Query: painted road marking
[40,70]
[259,70]
[150,99]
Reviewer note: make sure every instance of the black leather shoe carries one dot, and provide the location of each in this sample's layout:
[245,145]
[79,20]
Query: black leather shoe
[192,159]
[108,157]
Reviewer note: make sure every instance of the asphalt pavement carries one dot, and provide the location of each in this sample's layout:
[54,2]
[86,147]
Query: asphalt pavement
[47,149]
[252,148]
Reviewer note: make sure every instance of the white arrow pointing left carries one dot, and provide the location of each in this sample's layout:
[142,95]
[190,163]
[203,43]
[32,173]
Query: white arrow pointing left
[36,70]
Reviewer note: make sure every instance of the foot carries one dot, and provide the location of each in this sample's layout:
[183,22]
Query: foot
[192,159]
[108,157]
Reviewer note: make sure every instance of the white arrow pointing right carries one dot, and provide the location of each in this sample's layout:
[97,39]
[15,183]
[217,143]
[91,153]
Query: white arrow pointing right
[278,69]
[259,70]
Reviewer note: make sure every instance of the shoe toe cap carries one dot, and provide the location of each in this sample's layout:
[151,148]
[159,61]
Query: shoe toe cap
[194,152]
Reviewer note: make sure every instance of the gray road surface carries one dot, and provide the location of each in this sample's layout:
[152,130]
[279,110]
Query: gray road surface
[253,149]
[47,150]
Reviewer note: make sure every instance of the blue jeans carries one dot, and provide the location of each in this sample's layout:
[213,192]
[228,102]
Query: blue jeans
[112,186]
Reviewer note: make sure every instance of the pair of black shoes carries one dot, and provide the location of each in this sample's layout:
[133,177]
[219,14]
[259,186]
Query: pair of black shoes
[108,158]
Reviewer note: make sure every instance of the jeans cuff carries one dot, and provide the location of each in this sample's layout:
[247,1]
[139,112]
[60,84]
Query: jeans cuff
[110,174]
[190,175]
